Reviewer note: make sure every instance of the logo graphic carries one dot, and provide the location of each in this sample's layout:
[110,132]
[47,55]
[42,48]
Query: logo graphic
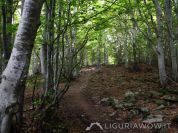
[93,124]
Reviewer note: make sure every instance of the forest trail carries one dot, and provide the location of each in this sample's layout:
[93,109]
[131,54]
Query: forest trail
[82,106]
[83,110]
[77,99]
[79,105]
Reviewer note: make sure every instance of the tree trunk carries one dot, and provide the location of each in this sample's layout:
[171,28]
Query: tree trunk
[9,16]
[86,57]
[105,55]
[1,51]
[7,35]
[93,57]
[149,53]
[134,23]
[160,50]
[48,40]
[43,59]
[22,5]
[125,52]
[99,58]
[4,33]
[168,13]
[17,68]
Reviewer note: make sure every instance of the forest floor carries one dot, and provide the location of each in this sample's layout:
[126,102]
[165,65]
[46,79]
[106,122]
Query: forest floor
[114,97]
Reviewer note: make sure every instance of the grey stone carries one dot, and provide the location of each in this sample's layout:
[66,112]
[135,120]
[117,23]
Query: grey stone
[171,98]
[153,119]
[144,110]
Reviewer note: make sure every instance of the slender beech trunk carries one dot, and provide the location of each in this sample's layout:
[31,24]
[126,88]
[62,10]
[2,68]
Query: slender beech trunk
[160,50]
[22,5]
[134,45]
[43,59]
[17,68]
[149,53]
[93,57]
[125,52]
[57,55]
[176,12]
[1,51]
[35,63]
[49,37]
[9,16]
[4,32]
[7,13]
[73,58]
[119,52]
[98,58]
[168,13]
[105,55]
[86,57]
[82,57]
[175,36]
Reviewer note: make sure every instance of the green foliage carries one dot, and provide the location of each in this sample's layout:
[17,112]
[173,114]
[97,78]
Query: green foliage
[110,20]
[37,102]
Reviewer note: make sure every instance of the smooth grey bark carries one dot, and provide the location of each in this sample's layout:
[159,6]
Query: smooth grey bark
[105,55]
[71,42]
[73,50]
[176,12]
[1,64]
[160,50]
[74,40]
[43,59]
[22,5]
[98,58]
[125,47]
[17,68]
[48,41]
[93,57]
[149,51]
[86,57]
[57,66]
[175,39]
[81,58]
[44,51]
[134,45]
[100,36]
[35,65]
[1,51]
[125,52]
[68,54]
[119,51]
[168,14]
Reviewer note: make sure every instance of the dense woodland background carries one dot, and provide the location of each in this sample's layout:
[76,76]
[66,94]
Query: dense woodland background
[46,45]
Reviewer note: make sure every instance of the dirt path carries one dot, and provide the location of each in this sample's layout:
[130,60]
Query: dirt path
[79,110]
[82,109]
[78,100]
